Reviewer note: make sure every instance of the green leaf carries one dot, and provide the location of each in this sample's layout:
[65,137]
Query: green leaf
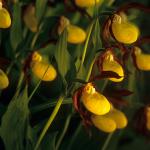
[47,50]
[40,9]
[15,124]
[16,29]
[62,56]
[97,43]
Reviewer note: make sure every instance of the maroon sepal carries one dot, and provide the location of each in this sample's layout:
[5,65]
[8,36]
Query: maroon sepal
[76,99]
[139,121]
[134,5]
[106,74]
[85,115]
[115,96]
[117,101]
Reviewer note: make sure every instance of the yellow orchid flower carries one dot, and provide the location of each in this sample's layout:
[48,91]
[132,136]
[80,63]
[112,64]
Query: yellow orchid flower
[142,59]
[86,3]
[4,82]
[93,101]
[5,20]
[124,31]
[110,64]
[114,119]
[42,70]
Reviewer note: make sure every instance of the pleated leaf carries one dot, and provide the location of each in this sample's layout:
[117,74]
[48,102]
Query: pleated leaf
[62,56]
[15,130]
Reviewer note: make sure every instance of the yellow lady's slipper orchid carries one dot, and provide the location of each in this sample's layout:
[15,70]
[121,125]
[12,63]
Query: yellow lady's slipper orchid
[41,69]
[76,34]
[4,82]
[30,18]
[110,64]
[86,3]
[104,123]
[93,101]
[142,60]
[114,119]
[119,118]
[5,20]
[124,31]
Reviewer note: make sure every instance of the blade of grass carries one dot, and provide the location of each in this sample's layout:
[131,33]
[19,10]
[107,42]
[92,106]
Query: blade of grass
[107,141]
[50,120]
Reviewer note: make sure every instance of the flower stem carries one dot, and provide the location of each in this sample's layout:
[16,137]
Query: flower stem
[85,46]
[107,141]
[64,131]
[50,120]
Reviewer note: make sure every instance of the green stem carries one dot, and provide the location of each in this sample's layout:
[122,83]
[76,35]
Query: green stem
[34,40]
[34,90]
[48,105]
[19,83]
[90,70]
[107,141]
[85,46]
[64,131]
[50,120]
[38,84]
[74,136]
[104,85]
[36,36]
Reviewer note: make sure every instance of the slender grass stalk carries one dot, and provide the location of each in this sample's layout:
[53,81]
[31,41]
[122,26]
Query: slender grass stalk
[48,105]
[64,131]
[50,120]
[36,36]
[19,83]
[86,46]
[107,141]
[74,136]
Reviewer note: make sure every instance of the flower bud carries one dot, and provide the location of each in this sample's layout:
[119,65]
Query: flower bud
[5,20]
[110,64]
[124,31]
[104,123]
[142,60]
[63,23]
[30,18]
[93,101]
[4,82]
[86,3]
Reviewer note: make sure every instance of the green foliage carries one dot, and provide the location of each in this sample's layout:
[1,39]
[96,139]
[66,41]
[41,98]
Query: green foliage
[16,29]
[40,115]
[62,56]
[15,128]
